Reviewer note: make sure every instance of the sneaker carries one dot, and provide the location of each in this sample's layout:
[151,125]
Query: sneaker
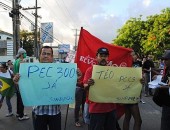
[146,95]
[142,101]
[23,118]
[77,124]
[17,115]
[9,114]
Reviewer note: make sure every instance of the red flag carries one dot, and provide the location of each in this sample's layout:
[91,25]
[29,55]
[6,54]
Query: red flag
[88,46]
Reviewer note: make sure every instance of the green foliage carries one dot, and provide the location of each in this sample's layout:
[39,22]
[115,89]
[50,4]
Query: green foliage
[151,36]
[27,41]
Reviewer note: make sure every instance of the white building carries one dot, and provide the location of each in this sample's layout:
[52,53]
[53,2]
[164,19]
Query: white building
[6,46]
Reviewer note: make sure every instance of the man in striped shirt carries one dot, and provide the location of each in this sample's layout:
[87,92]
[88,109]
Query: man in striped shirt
[46,117]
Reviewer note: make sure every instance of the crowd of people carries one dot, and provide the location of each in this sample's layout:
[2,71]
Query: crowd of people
[98,116]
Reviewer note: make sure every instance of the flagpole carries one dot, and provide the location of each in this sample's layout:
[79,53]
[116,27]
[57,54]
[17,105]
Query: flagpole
[66,117]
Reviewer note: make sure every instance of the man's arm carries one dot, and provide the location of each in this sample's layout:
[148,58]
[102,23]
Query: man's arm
[87,81]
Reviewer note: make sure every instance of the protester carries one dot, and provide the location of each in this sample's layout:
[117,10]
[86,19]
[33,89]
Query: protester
[10,65]
[137,63]
[4,72]
[133,109]
[20,107]
[165,90]
[161,66]
[79,100]
[148,67]
[102,115]
[46,117]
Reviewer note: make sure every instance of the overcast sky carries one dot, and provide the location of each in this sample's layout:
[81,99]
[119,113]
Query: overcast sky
[101,18]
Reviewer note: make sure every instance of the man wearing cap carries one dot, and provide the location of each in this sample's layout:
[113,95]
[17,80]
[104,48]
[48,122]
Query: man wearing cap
[20,107]
[102,115]
[165,90]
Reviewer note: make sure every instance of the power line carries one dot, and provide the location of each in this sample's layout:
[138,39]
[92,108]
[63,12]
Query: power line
[36,46]
[30,21]
[68,12]
[22,15]
[40,28]
[54,12]
[64,12]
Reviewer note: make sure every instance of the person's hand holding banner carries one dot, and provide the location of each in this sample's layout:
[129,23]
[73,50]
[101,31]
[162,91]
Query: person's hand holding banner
[115,84]
[47,83]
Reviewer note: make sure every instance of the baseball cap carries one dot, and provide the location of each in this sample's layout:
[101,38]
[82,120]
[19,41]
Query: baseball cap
[103,50]
[20,51]
[166,55]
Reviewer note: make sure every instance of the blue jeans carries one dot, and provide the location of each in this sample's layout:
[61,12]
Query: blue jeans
[8,103]
[86,115]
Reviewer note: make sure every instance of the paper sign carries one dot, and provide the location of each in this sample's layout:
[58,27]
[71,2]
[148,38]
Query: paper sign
[47,83]
[115,84]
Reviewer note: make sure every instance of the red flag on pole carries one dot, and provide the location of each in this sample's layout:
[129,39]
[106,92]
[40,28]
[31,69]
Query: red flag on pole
[88,46]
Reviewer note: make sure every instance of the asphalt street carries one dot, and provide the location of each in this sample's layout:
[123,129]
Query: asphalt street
[151,116]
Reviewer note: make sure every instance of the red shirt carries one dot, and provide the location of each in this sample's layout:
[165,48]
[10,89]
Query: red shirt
[97,107]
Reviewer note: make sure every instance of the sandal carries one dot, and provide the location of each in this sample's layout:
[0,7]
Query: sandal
[78,124]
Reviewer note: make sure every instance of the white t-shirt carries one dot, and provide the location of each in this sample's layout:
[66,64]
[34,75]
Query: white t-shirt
[7,74]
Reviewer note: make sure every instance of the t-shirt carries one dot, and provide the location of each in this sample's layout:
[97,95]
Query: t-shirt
[16,66]
[7,74]
[147,65]
[97,107]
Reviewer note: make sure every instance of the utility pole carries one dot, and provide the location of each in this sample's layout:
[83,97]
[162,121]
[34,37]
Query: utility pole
[75,47]
[16,25]
[15,47]
[36,46]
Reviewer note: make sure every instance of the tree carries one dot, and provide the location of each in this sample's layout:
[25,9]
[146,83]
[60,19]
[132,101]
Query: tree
[27,41]
[151,36]
[131,34]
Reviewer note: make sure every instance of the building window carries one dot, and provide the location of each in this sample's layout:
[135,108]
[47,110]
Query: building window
[8,38]
[0,37]
[3,52]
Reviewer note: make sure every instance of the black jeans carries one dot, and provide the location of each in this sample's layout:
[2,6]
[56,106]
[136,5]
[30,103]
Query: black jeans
[20,106]
[103,121]
[47,122]
[80,98]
